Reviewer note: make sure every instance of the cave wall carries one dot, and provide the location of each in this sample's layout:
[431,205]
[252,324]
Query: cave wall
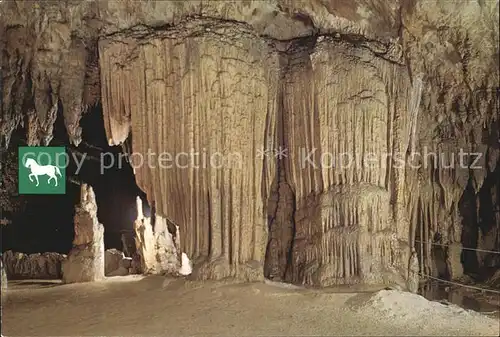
[342,100]
[365,76]
[459,111]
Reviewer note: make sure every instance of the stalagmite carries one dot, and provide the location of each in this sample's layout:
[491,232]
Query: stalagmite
[85,262]
[166,249]
[413,110]
[453,261]
[144,240]
[186,267]
[157,248]
[413,273]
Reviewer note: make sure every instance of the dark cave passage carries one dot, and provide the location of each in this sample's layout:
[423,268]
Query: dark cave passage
[467,208]
[480,234]
[488,219]
[46,222]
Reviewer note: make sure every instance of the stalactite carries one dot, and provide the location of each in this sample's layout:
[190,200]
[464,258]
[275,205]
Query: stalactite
[45,72]
[15,75]
[336,106]
[205,95]
[413,110]
[117,86]
[71,90]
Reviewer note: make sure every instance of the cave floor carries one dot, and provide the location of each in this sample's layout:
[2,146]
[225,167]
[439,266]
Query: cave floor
[136,305]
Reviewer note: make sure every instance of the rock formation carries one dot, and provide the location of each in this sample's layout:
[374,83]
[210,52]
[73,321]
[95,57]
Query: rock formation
[144,240]
[85,262]
[128,243]
[113,262]
[117,264]
[413,273]
[317,142]
[32,266]
[346,230]
[18,266]
[494,281]
[156,246]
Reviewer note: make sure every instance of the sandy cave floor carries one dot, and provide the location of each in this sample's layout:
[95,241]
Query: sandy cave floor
[147,306]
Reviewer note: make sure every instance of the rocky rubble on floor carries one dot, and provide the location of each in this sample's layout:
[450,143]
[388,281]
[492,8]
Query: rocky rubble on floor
[117,264]
[494,281]
[112,258]
[32,266]
[47,265]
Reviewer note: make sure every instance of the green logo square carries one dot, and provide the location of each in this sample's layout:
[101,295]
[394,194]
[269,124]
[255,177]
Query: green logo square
[42,170]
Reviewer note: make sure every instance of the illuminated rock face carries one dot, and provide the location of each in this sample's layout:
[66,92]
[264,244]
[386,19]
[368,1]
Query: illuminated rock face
[214,98]
[342,106]
[350,90]
[85,262]
[157,247]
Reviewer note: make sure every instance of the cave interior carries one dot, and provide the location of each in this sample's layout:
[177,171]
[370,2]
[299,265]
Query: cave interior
[229,85]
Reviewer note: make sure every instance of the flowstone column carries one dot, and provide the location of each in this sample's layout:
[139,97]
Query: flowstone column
[85,262]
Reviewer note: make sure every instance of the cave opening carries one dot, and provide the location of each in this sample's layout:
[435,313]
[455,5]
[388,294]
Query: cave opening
[480,234]
[488,259]
[45,223]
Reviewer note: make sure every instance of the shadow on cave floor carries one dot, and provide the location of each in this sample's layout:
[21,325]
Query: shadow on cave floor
[21,284]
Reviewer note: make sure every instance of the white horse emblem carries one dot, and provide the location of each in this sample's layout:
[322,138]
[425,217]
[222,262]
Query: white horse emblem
[40,170]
